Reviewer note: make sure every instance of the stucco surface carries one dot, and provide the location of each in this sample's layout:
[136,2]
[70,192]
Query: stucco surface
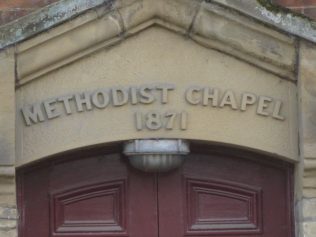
[158,56]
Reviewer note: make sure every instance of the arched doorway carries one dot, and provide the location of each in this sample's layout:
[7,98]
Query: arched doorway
[217,192]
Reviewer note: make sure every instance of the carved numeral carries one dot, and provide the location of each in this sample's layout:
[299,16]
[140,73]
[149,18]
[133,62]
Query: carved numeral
[158,120]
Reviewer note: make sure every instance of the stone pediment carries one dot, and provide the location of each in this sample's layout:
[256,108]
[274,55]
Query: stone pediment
[218,92]
[208,24]
[195,46]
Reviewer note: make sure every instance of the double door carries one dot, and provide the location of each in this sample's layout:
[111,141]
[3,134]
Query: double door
[215,193]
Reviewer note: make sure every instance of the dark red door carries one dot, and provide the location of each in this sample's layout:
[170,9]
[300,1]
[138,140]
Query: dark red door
[215,193]
[221,193]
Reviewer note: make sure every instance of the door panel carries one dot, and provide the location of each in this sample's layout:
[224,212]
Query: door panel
[213,206]
[78,211]
[212,194]
[93,196]
[226,196]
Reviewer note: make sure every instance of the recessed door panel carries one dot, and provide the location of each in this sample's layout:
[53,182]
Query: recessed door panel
[214,206]
[94,208]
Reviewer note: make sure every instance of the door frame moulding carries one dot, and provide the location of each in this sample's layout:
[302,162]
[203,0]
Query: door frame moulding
[196,146]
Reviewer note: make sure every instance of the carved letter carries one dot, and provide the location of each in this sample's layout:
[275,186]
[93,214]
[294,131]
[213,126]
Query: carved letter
[134,99]
[229,99]
[277,111]
[189,95]
[146,96]
[164,89]
[100,99]
[119,96]
[65,100]
[208,95]
[32,113]
[247,99]
[51,109]
[82,99]
[262,104]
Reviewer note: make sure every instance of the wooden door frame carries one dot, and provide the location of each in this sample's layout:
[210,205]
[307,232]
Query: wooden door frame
[196,147]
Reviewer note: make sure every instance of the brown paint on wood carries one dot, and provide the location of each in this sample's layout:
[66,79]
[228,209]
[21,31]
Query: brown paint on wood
[218,191]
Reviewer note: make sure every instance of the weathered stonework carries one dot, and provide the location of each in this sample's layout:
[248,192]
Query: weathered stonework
[309,229]
[8,208]
[188,43]
[307,87]
[8,212]
[7,114]
[267,49]
[308,102]
[9,233]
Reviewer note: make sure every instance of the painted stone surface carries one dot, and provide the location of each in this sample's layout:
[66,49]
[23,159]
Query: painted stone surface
[144,60]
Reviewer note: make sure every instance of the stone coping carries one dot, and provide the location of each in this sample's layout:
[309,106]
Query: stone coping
[54,14]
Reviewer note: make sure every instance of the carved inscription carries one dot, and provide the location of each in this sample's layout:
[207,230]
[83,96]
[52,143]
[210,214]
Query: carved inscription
[150,94]
[212,97]
[155,120]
